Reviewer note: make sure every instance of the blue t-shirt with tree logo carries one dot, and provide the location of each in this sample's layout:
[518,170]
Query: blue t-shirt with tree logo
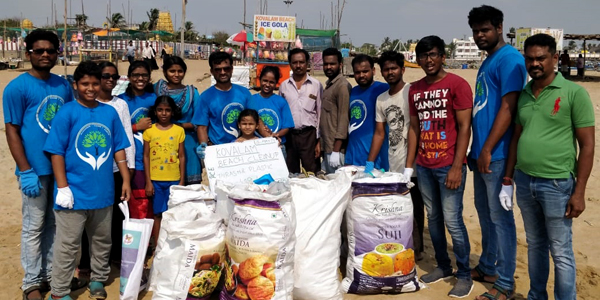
[32,103]
[273,111]
[501,73]
[219,111]
[88,139]
[362,126]
[139,106]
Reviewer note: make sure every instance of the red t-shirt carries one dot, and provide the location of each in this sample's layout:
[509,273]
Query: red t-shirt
[435,105]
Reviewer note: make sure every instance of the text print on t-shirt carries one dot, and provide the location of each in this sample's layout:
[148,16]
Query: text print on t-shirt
[432,108]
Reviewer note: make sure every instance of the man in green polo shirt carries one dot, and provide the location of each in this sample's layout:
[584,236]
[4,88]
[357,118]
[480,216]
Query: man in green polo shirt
[553,116]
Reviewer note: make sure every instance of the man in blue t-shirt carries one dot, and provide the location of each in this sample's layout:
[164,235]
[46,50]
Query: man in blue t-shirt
[363,99]
[216,114]
[30,103]
[499,83]
[86,136]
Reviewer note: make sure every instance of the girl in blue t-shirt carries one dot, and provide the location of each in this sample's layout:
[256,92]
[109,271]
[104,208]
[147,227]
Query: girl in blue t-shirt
[248,124]
[272,109]
[164,155]
[139,96]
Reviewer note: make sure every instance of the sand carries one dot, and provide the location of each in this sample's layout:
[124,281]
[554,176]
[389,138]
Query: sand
[586,228]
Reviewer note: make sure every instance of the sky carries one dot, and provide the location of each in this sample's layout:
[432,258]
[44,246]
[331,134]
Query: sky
[363,21]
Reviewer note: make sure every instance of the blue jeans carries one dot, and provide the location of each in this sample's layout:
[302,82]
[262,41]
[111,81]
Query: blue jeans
[444,207]
[37,234]
[543,205]
[498,231]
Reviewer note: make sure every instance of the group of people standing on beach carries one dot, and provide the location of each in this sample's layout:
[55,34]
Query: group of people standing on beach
[155,136]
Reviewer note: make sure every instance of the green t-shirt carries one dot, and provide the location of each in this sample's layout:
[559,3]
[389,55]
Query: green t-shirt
[547,147]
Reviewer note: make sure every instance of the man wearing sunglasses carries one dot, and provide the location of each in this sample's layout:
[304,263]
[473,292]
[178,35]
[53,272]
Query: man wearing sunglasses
[216,113]
[30,103]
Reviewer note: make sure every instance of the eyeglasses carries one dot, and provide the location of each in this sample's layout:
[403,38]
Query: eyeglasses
[42,50]
[226,69]
[109,76]
[432,55]
[140,75]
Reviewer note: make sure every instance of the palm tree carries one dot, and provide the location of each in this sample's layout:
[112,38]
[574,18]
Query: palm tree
[451,48]
[385,45]
[144,26]
[189,32]
[153,15]
[395,44]
[116,21]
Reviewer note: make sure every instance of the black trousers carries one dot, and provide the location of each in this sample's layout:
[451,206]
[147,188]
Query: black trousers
[419,216]
[300,147]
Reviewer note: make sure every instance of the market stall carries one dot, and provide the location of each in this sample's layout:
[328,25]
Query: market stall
[273,35]
[315,41]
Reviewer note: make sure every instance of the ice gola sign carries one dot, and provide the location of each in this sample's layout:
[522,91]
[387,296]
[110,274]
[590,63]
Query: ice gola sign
[274,28]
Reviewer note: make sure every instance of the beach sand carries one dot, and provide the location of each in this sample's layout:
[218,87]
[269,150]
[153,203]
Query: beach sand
[586,228]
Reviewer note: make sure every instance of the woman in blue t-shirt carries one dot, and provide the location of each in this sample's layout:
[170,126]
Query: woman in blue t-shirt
[139,96]
[185,96]
[272,109]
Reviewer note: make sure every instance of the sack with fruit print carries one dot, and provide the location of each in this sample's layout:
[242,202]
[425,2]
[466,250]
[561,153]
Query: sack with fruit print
[379,222]
[260,241]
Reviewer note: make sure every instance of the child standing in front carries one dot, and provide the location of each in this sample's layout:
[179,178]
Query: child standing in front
[85,136]
[164,155]
[248,124]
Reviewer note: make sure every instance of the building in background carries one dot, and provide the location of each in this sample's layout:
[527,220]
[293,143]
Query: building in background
[165,23]
[466,50]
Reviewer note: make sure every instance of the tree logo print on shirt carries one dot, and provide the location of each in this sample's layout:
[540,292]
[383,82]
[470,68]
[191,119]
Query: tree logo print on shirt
[136,116]
[270,118]
[93,144]
[47,110]
[481,94]
[229,118]
[358,114]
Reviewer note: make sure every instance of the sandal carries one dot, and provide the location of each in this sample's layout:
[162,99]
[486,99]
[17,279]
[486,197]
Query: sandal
[481,276]
[509,295]
[78,283]
[31,290]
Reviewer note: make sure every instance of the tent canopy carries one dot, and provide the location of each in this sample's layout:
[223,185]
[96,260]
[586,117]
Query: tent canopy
[316,32]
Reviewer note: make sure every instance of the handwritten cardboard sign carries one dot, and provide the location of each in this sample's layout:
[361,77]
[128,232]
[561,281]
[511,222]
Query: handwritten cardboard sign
[244,162]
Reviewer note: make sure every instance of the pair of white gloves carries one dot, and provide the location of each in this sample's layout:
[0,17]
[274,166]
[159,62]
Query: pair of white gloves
[64,198]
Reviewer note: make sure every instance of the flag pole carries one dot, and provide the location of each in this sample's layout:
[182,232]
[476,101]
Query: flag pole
[183,4]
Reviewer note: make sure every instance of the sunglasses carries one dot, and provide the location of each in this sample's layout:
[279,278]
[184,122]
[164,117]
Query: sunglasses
[109,76]
[224,69]
[140,75]
[42,50]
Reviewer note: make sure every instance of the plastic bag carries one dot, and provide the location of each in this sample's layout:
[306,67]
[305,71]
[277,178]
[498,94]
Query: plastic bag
[136,236]
[320,206]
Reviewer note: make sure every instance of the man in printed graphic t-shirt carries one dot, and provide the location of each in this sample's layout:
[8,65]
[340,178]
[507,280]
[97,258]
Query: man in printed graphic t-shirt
[440,126]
